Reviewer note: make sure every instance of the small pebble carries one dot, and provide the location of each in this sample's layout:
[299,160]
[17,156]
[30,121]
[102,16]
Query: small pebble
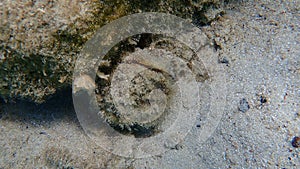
[244,106]
[43,132]
[296,142]
[263,99]
[178,146]
[224,60]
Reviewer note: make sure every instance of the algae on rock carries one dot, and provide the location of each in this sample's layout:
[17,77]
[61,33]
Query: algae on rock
[40,40]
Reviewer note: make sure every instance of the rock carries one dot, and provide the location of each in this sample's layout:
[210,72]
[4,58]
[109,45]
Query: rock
[40,40]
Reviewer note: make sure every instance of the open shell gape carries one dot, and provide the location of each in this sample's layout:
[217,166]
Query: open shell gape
[139,87]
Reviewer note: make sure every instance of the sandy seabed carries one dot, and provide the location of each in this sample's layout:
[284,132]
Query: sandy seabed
[258,43]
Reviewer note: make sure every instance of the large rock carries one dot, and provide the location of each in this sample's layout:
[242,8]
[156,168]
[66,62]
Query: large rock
[39,40]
